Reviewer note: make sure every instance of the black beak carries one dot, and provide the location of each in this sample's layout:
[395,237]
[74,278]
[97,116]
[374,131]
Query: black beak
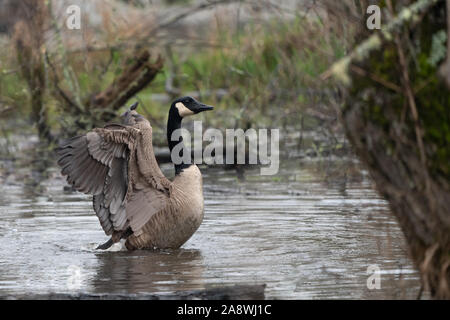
[203,107]
[134,106]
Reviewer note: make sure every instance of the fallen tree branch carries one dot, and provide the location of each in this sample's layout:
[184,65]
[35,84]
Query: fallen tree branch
[133,79]
[101,107]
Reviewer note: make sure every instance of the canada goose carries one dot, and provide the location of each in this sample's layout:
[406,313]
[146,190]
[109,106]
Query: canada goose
[132,198]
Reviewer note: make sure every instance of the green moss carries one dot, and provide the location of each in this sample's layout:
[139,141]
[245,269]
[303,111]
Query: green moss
[384,107]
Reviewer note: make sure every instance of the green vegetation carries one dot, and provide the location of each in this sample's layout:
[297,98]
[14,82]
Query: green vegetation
[268,72]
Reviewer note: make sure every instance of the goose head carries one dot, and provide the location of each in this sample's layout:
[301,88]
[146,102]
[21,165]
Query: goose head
[131,116]
[187,106]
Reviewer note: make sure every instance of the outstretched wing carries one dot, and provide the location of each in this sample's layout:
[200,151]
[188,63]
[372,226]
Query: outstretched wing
[97,164]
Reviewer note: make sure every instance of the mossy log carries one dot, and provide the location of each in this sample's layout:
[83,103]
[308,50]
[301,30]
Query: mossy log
[407,155]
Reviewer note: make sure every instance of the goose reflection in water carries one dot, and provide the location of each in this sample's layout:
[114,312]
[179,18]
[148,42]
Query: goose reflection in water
[149,271]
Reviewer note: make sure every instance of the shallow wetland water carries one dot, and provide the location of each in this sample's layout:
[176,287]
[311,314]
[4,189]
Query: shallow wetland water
[303,236]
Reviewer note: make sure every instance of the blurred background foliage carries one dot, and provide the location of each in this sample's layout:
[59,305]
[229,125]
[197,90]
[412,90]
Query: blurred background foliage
[258,62]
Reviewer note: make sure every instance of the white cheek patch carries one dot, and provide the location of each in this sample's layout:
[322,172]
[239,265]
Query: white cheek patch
[182,110]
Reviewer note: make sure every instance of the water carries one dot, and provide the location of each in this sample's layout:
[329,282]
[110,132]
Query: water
[304,236]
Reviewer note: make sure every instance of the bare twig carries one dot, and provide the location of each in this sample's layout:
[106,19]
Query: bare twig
[376,78]
[170,87]
[188,12]
[412,101]
[56,82]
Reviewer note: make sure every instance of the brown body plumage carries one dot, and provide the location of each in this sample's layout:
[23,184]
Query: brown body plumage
[132,197]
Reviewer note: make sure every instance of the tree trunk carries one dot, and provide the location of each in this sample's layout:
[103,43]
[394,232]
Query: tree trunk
[397,117]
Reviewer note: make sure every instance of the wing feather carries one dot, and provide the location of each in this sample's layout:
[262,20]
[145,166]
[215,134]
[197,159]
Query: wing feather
[142,205]
[97,163]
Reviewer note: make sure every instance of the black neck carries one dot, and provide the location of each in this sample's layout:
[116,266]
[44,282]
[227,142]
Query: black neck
[173,124]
